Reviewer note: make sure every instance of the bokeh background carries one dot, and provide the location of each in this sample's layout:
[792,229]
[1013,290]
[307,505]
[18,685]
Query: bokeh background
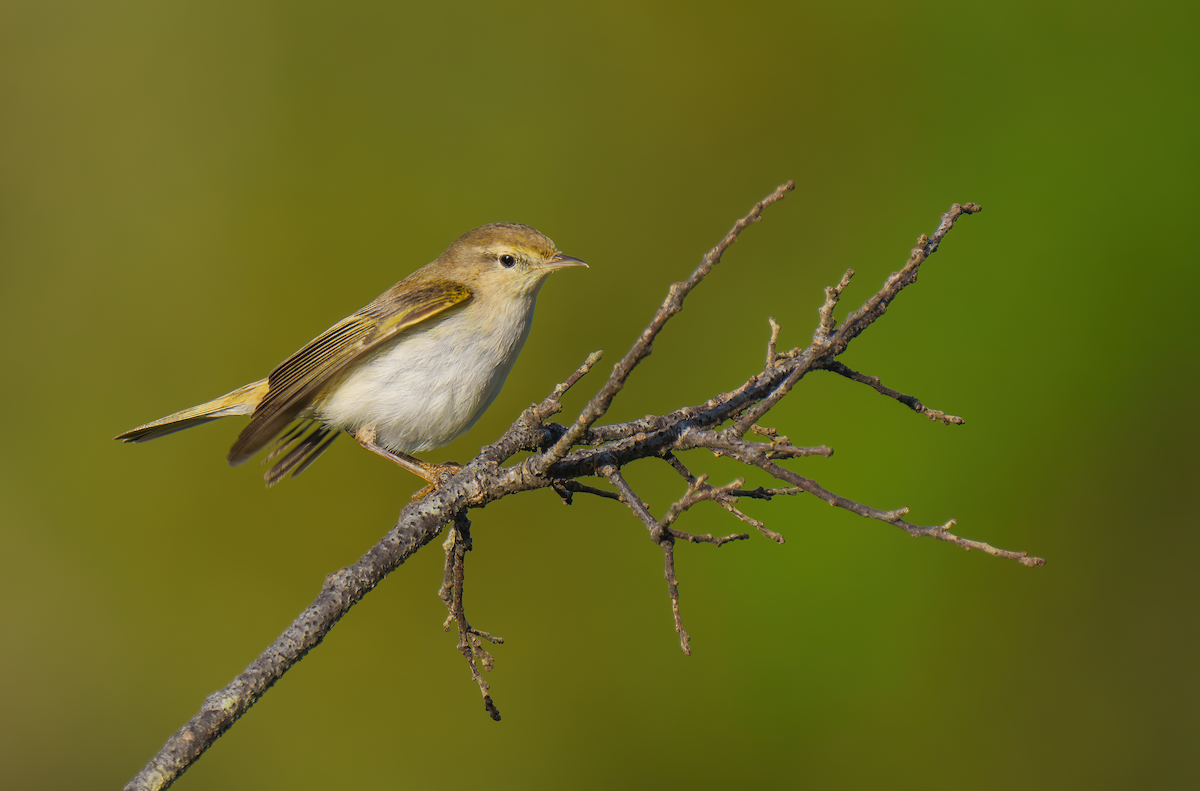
[189,191]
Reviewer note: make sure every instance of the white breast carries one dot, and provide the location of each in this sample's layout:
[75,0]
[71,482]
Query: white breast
[433,382]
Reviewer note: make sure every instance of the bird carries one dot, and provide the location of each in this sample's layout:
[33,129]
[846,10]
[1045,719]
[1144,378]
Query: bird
[411,371]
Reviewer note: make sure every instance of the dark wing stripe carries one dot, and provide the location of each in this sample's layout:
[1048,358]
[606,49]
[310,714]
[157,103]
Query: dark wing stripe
[317,451]
[305,452]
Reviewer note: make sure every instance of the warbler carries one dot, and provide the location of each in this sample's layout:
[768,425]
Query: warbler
[412,371]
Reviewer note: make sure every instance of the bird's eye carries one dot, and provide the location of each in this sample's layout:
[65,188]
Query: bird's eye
[507,261]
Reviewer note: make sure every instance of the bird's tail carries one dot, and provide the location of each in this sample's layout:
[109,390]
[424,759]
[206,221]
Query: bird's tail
[240,402]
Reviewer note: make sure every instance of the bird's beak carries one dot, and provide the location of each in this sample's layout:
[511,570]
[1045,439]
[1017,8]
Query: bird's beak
[560,261]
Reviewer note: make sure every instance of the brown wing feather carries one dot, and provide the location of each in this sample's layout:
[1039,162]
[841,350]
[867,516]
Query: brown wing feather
[299,378]
[299,450]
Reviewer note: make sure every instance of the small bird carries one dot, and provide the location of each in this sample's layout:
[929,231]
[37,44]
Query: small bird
[410,372]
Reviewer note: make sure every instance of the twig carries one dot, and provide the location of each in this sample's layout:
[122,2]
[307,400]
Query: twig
[661,536]
[727,502]
[699,491]
[909,401]
[940,532]
[877,305]
[832,295]
[457,545]
[771,343]
[630,498]
[754,414]
[564,489]
[644,344]
[668,547]
[707,538]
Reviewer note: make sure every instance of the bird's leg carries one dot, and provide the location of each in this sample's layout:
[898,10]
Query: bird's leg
[431,473]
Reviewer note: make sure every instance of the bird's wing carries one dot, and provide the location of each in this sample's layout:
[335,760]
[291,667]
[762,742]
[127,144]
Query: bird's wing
[295,382]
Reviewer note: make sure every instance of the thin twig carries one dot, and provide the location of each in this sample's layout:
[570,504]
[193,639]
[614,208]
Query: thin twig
[771,343]
[832,295]
[940,532]
[727,502]
[565,489]
[909,401]
[877,305]
[668,547]
[469,644]
[755,414]
[630,498]
[644,344]
[561,389]
[660,535]
[699,491]
[707,538]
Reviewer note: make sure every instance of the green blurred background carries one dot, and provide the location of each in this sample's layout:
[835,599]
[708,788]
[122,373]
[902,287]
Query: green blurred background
[189,191]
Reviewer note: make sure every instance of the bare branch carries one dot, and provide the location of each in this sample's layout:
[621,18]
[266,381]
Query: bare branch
[660,535]
[699,491]
[909,401]
[940,532]
[766,494]
[668,546]
[832,295]
[877,305]
[754,414]
[469,643]
[727,502]
[769,432]
[644,345]
[771,343]
[562,455]
[707,538]
[418,525]
[725,443]
[630,498]
[565,489]
[561,389]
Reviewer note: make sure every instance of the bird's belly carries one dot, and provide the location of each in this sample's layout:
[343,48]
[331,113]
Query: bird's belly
[422,391]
